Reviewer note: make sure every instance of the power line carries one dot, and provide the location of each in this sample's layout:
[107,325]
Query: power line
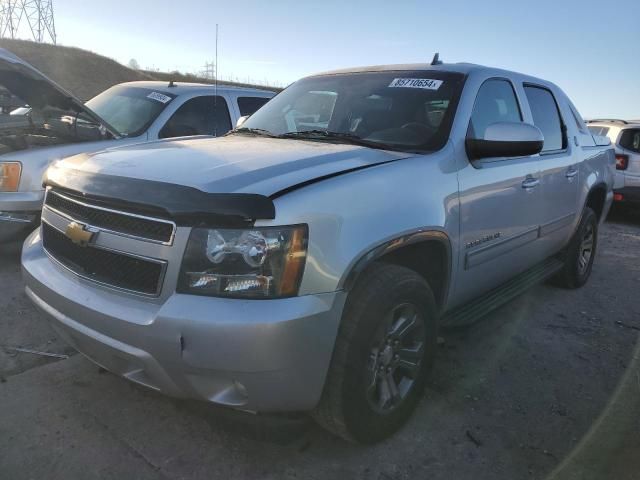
[34,15]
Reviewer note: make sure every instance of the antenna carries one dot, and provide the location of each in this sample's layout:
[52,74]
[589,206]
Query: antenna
[215,88]
[38,15]
[436,59]
[171,84]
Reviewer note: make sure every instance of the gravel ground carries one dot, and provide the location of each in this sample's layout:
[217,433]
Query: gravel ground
[546,386]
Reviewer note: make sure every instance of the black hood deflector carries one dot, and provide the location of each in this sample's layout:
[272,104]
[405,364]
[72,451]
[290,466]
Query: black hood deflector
[187,206]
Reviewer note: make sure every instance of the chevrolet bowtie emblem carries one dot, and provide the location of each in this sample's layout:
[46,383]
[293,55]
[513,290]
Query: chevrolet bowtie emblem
[79,234]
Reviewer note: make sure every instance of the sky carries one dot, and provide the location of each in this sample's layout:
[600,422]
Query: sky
[590,48]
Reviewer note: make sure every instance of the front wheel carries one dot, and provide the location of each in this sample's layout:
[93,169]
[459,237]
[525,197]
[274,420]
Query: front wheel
[580,252]
[385,347]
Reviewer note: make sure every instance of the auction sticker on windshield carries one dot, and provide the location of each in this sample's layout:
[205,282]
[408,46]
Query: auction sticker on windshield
[159,97]
[426,83]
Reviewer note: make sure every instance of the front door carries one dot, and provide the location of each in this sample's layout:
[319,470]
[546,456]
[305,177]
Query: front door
[500,202]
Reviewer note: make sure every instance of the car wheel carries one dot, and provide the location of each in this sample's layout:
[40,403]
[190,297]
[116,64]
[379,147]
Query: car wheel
[385,346]
[580,252]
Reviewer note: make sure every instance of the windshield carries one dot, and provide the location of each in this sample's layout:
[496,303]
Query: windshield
[404,110]
[130,110]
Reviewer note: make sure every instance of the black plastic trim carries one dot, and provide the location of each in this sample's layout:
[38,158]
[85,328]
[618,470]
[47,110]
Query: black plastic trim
[187,206]
[408,238]
[478,148]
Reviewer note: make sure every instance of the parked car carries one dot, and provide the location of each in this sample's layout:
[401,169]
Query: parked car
[625,136]
[305,261]
[53,124]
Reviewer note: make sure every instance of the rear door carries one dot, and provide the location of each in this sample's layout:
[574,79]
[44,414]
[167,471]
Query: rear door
[559,167]
[500,201]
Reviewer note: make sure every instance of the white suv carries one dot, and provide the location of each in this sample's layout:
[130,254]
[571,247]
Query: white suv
[625,136]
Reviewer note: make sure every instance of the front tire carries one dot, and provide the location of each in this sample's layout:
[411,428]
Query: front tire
[580,252]
[385,347]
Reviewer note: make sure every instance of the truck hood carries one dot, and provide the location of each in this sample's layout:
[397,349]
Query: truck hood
[38,91]
[211,175]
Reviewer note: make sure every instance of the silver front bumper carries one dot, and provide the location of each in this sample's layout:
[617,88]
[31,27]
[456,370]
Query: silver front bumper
[262,355]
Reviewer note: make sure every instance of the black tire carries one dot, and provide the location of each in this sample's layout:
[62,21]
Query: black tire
[348,407]
[577,269]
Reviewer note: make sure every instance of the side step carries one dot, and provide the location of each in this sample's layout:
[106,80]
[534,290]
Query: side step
[473,311]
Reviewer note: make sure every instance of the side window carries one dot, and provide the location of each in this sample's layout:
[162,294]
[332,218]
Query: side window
[546,117]
[496,102]
[206,115]
[248,105]
[630,140]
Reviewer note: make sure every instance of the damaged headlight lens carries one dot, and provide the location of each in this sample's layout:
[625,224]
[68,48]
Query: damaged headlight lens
[10,176]
[250,263]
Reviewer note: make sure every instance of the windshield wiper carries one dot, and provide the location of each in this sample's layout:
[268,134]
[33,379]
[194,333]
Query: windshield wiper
[341,136]
[253,131]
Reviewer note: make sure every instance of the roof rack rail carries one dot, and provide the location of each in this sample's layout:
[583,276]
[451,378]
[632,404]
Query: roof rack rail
[607,120]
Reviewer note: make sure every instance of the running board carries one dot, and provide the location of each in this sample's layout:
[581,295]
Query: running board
[473,311]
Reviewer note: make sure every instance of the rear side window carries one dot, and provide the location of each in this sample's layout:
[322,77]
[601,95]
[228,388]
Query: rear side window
[546,117]
[630,140]
[206,115]
[248,105]
[496,102]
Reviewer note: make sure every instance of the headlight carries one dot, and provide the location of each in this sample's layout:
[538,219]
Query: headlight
[249,263]
[10,176]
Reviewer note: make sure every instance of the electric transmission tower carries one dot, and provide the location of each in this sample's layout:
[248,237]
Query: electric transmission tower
[35,16]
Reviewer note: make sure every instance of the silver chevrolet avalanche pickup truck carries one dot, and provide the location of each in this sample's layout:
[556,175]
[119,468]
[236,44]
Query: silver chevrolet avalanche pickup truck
[305,261]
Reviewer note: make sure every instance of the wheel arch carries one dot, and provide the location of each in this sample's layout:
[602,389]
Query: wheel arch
[427,252]
[596,199]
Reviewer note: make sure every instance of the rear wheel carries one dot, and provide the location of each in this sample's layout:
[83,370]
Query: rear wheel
[580,252]
[385,347]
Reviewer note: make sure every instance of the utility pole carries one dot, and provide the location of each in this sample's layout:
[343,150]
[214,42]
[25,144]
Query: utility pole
[34,15]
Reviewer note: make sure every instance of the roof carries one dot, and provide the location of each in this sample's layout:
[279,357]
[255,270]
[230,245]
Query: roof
[185,87]
[443,67]
[463,68]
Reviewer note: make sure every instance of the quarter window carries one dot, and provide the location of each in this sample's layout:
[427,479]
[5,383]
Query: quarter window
[248,105]
[546,117]
[496,102]
[205,115]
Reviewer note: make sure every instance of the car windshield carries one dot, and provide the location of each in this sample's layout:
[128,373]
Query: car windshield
[399,110]
[130,110]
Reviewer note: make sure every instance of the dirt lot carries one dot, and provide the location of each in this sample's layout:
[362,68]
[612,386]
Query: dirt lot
[547,386]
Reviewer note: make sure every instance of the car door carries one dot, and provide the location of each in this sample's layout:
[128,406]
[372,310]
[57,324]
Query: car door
[202,115]
[559,168]
[500,201]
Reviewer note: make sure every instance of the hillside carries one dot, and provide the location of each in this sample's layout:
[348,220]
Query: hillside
[84,73]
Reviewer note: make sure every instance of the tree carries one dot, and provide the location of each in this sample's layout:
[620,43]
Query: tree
[133,64]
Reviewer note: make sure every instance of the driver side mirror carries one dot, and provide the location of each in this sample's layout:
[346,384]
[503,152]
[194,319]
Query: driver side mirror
[506,139]
[241,120]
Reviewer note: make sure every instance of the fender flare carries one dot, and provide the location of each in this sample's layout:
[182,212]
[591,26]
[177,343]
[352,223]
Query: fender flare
[387,246]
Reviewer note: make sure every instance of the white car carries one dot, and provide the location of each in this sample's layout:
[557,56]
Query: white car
[625,137]
[53,124]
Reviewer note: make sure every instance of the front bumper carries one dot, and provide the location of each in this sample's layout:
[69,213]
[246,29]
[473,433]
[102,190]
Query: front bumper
[19,213]
[260,355]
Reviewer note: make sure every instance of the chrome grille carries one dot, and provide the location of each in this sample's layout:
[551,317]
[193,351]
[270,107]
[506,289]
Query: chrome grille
[115,221]
[115,269]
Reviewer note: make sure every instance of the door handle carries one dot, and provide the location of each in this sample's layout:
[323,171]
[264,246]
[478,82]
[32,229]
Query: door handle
[572,172]
[530,182]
